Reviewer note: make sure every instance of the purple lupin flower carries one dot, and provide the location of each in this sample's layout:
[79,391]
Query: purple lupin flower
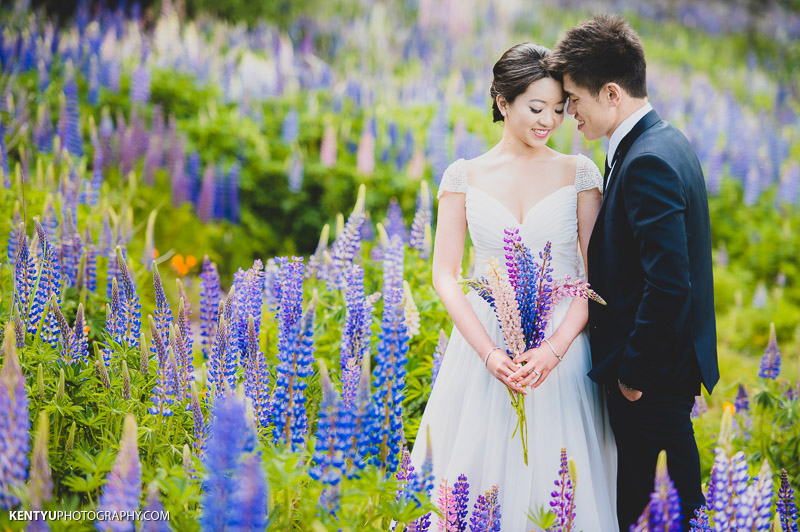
[256,376]
[663,512]
[486,514]
[787,510]
[296,355]
[390,360]
[700,407]
[199,422]
[394,224]
[249,289]
[183,362]
[162,313]
[234,178]
[130,325]
[17,228]
[209,298]
[771,360]
[41,483]
[4,157]
[563,497]
[438,355]
[356,336]
[163,396]
[296,171]
[404,476]
[123,487]
[700,521]
[422,217]
[754,508]
[461,503]
[140,85]
[14,423]
[232,437]
[741,404]
[216,360]
[205,200]
[348,244]
[90,267]
[80,334]
[42,131]
[154,505]
[184,316]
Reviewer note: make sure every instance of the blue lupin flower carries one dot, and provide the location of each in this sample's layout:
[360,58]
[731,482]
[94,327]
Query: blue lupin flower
[390,360]
[209,298]
[754,508]
[220,194]
[486,514]
[94,80]
[43,130]
[421,485]
[256,376]
[700,521]
[291,127]
[184,370]
[184,317]
[249,509]
[296,355]
[356,335]
[332,434]
[249,289]
[90,269]
[663,512]
[363,434]
[97,175]
[70,345]
[232,436]
[438,355]
[14,423]
[4,157]
[193,166]
[24,279]
[130,325]
[199,422]
[123,488]
[71,138]
[80,334]
[771,360]
[216,360]
[787,510]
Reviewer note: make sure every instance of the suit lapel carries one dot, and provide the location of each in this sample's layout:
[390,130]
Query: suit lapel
[645,123]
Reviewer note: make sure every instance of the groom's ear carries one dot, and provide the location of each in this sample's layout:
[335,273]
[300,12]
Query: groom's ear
[612,93]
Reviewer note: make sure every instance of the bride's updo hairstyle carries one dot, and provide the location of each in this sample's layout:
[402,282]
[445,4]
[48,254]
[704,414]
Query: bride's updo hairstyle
[520,66]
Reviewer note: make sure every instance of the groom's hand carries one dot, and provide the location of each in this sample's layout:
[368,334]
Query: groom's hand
[629,393]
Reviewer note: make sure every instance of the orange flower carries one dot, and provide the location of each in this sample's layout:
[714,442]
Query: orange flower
[155,253]
[191,261]
[179,265]
[727,406]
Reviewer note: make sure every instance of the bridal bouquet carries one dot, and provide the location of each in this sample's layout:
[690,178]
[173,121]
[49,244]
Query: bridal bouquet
[523,297]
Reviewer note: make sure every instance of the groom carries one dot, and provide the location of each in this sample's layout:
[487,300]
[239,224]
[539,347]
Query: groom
[650,258]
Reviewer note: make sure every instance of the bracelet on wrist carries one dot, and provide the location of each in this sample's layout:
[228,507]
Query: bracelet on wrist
[553,349]
[486,359]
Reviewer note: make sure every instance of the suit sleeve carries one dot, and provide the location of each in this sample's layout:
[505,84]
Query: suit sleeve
[656,205]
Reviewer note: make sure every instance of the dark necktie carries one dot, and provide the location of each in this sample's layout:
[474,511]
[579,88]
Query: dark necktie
[605,175]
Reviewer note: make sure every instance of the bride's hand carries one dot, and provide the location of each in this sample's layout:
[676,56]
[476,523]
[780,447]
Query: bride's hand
[501,366]
[539,359]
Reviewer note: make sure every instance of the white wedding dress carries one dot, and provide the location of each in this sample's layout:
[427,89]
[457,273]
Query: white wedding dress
[469,411]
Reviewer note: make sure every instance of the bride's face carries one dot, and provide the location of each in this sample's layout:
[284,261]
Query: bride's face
[537,112]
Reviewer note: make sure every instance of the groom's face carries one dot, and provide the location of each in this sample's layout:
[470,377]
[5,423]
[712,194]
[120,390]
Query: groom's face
[594,118]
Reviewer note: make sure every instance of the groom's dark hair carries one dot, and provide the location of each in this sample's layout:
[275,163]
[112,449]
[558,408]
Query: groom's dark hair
[602,50]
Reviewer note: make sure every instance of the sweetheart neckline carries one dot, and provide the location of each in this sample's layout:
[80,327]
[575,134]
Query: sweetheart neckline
[532,207]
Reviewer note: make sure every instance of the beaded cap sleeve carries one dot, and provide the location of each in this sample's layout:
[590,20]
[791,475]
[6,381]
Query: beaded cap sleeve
[587,175]
[454,178]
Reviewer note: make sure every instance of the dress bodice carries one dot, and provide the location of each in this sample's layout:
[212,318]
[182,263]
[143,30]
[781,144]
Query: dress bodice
[553,218]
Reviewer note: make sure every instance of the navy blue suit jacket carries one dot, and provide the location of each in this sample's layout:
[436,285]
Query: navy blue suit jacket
[650,258]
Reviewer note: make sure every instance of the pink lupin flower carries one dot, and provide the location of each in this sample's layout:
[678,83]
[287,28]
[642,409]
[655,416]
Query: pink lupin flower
[327,150]
[506,307]
[365,158]
[447,505]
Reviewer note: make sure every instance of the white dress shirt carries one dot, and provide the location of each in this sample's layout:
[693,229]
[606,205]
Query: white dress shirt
[623,129]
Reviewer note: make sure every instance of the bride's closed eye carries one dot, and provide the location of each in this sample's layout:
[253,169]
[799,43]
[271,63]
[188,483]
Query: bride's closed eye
[537,111]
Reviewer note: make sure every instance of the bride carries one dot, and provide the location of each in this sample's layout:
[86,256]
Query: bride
[519,183]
